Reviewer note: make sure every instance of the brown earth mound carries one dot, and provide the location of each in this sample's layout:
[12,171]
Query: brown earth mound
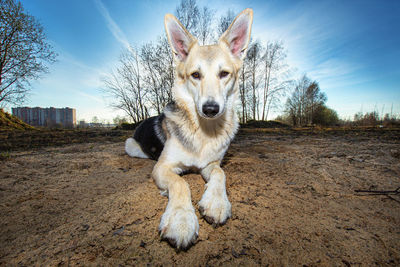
[264,124]
[10,122]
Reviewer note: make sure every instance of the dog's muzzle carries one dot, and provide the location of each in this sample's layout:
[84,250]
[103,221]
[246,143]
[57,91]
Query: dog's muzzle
[210,109]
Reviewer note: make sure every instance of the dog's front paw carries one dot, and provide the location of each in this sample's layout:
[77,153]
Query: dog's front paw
[179,227]
[215,207]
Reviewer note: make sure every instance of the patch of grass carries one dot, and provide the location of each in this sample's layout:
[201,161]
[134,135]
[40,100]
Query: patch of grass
[264,124]
[5,156]
[346,132]
[13,140]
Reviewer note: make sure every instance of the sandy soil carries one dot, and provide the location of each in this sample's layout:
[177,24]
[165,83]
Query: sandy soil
[293,203]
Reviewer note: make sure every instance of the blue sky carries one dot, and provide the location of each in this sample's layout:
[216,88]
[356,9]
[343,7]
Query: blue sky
[350,47]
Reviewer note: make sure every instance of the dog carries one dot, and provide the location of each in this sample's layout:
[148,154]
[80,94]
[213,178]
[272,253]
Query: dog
[195,130]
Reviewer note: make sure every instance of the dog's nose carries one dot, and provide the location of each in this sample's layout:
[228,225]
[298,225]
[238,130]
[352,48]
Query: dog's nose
[210,109]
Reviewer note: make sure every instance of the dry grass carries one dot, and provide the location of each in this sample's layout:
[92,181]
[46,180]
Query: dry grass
[14,140]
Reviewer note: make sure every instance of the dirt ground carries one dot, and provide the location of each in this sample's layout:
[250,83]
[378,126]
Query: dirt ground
[292,195]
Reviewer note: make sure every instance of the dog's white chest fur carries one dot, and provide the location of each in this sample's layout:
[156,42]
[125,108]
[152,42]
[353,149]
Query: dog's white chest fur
[196,149]
[209,152]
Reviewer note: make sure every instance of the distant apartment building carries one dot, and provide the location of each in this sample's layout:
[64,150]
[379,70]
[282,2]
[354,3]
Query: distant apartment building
[50,117]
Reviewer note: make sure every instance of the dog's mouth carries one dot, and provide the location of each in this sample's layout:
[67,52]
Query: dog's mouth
[207,117]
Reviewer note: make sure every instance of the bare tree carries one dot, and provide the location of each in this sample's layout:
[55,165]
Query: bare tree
[152,78]
[118,120]
[142,83]
[293,106]
[187,12]
[275,82]
[125,86]
[253,61]
[157,62]
[225,21]
[315,98]
[204,30]
[302,86]
[23,52]
[243,92]
[305,98]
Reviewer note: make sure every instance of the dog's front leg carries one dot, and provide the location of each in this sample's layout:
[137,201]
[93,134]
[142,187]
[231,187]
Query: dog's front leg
[179,224]
[214,204]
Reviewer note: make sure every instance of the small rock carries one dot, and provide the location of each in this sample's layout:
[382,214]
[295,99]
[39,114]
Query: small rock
[119,231]
[395,153]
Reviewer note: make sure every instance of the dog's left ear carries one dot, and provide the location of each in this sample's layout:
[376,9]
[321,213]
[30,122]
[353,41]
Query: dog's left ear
[179,38]
[237,36]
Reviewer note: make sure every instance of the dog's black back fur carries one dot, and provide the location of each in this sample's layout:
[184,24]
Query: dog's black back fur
[150,136]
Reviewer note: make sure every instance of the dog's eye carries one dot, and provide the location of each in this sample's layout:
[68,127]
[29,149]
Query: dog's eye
[196,75]
[223,74]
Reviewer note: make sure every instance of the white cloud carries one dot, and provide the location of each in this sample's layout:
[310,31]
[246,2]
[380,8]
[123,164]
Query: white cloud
[92,97]
[112,26]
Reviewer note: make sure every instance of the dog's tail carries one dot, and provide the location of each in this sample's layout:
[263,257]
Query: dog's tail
[133,149]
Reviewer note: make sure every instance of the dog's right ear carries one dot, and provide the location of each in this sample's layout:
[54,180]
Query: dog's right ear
[237,36]
[179,38]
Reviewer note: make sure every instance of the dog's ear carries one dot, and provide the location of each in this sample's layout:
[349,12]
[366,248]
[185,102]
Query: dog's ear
[237,36]
[179,38]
